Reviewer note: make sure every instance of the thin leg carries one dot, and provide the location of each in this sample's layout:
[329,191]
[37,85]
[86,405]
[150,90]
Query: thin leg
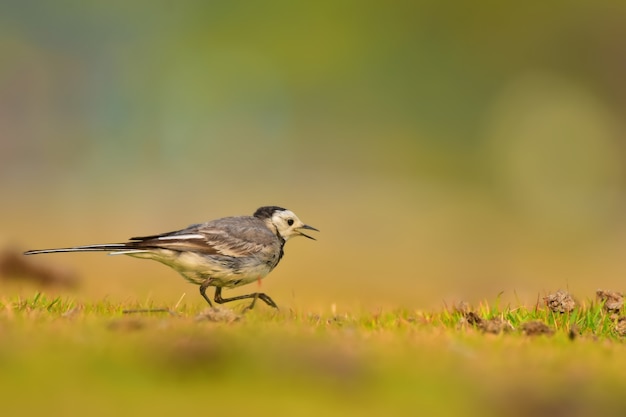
[203,288]
[218,298]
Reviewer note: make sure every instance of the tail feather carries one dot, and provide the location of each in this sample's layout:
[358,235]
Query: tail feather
[109,247]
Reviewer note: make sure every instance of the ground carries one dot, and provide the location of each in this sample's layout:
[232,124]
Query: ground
[62,358]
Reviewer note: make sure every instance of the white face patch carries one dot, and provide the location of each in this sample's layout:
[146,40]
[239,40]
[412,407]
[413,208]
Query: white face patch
[282,220]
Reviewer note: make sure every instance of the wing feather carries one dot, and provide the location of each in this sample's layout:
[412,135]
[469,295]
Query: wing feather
[230,236]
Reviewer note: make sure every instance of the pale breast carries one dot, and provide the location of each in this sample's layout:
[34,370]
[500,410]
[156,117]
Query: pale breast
[224,271]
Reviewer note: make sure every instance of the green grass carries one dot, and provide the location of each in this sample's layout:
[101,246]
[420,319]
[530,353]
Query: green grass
[59,357]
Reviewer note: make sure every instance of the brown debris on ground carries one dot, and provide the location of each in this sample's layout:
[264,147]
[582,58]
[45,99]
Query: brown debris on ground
[574,332]
[495,325]
[463,307]
[218,315]
[473,319]
[17,267]
[536,327]
[126,325]
[613,300]
[560,302]
[620,326]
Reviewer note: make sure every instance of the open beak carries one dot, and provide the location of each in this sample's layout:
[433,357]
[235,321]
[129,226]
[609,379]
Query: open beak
[307,227]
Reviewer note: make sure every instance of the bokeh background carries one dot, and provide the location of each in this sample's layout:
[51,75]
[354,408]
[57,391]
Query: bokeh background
[446,150]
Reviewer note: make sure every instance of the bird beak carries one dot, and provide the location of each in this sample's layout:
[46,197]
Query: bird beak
[307,227]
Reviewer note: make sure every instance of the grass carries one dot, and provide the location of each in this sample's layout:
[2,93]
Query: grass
[59,357]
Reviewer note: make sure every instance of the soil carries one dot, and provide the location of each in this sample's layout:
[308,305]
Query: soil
[536,327]
[613,300]
[560,302]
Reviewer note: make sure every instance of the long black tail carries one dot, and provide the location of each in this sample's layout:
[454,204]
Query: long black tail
[109,247]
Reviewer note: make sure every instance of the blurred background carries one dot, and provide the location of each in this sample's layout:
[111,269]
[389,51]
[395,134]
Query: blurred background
[446,151]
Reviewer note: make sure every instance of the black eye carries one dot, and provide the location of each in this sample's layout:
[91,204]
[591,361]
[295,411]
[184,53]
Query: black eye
[290,222]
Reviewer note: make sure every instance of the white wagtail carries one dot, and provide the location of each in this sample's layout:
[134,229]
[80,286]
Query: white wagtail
[227,252]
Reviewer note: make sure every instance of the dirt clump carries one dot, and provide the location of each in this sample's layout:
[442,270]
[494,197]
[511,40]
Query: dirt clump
[218,315]
[462,307]
[473,319]
[620,326]
[560,302]
[535,328]
[573,332]
[14,266]
[126,325]
[495,325]
[613,300]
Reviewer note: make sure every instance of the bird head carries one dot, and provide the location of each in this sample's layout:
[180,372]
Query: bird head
[285,222]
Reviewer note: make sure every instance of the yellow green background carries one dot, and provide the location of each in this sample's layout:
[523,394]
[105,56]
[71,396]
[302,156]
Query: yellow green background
[446,150]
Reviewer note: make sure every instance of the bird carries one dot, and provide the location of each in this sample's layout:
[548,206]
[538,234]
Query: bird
[224,253]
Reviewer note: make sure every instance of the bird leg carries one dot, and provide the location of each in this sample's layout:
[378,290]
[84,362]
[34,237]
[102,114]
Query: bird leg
[205,284]
[218,298]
